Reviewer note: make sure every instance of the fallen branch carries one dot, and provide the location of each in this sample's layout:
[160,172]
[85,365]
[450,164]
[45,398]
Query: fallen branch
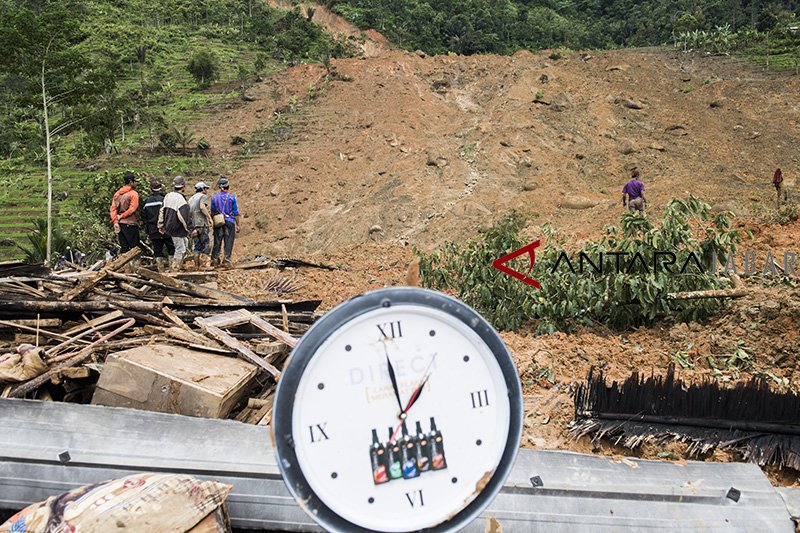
[695,295]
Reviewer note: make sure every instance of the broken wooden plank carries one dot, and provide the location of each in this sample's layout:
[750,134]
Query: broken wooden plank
[216,333]
[29,329]
[42,323]
[262,324]
[93,323]
[90,283]
[190,336]
[170,314]
[141,292]
[198,290]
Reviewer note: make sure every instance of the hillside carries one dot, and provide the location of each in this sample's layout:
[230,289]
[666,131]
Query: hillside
[419,149]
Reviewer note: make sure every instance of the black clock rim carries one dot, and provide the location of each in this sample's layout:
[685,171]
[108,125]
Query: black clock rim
[293,476]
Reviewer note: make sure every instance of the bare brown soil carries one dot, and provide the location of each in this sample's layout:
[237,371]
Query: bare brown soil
[416,150]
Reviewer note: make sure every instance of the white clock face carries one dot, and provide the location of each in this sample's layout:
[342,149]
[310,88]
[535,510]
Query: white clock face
[345,403]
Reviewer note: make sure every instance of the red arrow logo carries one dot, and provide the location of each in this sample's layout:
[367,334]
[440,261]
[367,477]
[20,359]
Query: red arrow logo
[500,264]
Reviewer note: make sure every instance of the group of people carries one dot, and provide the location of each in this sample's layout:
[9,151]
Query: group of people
[170,220]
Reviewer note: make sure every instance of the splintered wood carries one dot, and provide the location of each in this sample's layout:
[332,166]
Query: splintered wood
[177,321]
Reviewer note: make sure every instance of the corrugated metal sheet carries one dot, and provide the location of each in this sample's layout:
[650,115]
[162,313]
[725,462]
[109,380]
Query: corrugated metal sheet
[547,491]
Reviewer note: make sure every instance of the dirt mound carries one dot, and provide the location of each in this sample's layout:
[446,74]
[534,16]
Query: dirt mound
[370,42]
[423,149]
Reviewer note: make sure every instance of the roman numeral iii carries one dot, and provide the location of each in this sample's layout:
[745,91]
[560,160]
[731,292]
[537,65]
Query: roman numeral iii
[415,499]
[479,398]
[390,330]
[317,432]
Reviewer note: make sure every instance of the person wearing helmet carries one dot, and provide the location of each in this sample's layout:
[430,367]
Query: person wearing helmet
[150,211]
[201,221]
[174,220]
[224,203]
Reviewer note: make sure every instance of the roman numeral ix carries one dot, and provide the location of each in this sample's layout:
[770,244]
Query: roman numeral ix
[390,330]
[479,398]
[412,498]
[318,432]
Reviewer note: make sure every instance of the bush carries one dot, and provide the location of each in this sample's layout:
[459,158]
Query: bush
[168,141]
[621,299]
[786,214]
[36,252]
[203,66]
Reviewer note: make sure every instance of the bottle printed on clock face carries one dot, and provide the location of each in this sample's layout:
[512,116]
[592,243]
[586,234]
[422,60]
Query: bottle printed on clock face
[423,450]
[393,457]
[436,441]
[377,457]
[408,455]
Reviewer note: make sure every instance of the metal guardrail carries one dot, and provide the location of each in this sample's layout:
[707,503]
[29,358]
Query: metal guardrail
[47,448]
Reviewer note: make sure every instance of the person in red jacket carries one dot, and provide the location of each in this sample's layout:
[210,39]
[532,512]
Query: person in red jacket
[125,214]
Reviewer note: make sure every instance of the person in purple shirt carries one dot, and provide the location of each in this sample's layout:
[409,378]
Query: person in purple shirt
[634,190]
[224,202]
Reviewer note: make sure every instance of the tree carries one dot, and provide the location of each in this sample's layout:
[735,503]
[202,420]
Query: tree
[41,53]
[203,66]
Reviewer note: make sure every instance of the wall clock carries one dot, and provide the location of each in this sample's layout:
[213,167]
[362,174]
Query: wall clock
[401,410]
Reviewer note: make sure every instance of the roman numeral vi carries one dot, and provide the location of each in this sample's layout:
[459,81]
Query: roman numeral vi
[412,498]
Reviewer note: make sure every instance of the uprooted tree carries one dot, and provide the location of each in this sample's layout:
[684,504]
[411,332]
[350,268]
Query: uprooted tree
[632,295]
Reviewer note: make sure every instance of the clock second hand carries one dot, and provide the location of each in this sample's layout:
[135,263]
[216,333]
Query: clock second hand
[414,397]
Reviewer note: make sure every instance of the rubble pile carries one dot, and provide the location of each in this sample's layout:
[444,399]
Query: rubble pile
[125,335]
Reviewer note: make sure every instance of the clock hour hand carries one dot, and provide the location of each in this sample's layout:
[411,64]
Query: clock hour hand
[415,395]
[393,377]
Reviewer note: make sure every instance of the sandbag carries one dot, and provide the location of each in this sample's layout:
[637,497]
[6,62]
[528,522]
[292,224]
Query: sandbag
[27,363]
[141,503]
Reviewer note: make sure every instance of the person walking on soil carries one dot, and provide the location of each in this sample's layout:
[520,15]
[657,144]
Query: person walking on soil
[125,214]
[634,190]
[224,203]
[150,211]
[201,221]
[174,220]
[777,181]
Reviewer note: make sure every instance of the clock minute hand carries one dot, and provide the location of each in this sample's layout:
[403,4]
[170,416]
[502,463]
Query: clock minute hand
[393,378]
[414,396]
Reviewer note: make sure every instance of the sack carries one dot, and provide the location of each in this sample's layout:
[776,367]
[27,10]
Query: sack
[167,503]
[219,220]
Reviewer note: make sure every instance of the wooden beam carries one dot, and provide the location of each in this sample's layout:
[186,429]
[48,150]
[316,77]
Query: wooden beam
[93,323]
[198,290]
[170,314]
[245,352]
[42,323]
[266,327]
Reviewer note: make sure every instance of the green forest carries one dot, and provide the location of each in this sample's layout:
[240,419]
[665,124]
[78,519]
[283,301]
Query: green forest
[505,26]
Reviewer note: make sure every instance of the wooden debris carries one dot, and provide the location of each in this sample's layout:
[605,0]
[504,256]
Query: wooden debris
[170,379]
[108,317]
[192,289]
[213,327]
[113,266]
[81,318]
